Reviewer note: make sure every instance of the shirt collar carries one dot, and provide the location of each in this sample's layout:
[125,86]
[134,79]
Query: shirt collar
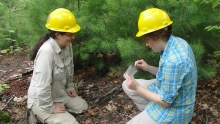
[170,43]
[55,45]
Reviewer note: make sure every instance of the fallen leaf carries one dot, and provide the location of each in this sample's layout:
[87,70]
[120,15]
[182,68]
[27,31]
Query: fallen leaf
[20,99]
[91,112]
[205,106]
[88,121]
[110,107]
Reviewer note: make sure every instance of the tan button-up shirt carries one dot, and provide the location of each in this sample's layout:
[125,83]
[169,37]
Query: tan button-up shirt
[52,76]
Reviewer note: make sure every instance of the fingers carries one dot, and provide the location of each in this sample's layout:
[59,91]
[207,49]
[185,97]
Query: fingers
[59,108]
[71,93]
[136,63]
[62,108]
[74,94]
[127,77]
[139,63]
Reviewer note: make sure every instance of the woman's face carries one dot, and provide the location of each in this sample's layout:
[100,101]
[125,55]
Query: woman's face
[65,39]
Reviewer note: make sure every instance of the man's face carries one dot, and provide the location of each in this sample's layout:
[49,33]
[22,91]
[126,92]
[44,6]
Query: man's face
[155,45]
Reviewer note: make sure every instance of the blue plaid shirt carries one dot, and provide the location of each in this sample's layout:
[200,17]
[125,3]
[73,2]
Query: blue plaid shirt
[176,83]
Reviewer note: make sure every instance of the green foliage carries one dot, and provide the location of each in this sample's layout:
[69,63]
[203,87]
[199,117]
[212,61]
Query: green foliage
[207,71]
[3,86]
[108,29]
[10,24]
[215,6]
[5,117]
[111,26]
[211,27]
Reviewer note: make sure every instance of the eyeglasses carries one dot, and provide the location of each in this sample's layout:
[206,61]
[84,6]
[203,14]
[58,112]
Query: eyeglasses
[70,34]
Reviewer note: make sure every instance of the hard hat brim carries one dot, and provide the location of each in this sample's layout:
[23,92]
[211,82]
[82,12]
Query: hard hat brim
[71,30]
[141,33]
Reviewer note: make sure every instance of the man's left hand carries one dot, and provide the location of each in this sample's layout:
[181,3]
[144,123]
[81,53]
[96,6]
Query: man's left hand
[130,82]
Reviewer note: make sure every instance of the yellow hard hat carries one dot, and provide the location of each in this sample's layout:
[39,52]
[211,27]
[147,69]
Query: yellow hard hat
[152,20]
[62,20]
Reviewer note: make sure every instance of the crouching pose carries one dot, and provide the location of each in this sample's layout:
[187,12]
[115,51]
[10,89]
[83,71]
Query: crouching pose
[170,98]
[51,95]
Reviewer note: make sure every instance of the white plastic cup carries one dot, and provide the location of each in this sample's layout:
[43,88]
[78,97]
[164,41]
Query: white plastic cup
[131,71]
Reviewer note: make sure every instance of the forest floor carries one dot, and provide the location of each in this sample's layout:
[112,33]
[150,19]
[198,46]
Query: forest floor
[118,109]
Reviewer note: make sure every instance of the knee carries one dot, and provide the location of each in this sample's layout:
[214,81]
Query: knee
[85,106]
[124,87]
[64,120]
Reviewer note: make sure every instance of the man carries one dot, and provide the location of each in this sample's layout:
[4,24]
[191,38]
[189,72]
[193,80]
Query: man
[170,98]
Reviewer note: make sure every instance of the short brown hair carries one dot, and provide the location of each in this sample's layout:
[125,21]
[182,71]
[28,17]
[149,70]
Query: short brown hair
[163,34]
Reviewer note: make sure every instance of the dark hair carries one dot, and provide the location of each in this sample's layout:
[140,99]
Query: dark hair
[163,34]
[41,41]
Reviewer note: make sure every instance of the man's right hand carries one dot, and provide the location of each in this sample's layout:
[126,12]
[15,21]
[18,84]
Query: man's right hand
[141,64]
[59,108]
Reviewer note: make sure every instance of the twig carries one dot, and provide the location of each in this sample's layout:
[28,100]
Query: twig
[29,68]
[128,116]
[118,113]
[121,115]
[207,119]
[8,102]
[3,71]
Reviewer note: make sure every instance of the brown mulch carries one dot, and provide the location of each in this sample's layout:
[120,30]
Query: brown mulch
[15,70]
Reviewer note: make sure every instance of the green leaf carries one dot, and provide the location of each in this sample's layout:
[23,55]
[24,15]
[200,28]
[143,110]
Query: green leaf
[6,86]
[1,89]
[4,51]
[5,117]
[17,50]
[11,31]
[7,39]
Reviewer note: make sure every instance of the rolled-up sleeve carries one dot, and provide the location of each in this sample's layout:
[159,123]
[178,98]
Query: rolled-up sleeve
[172,78]
[43,73]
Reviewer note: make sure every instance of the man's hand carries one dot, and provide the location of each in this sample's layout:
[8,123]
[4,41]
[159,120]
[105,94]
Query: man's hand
[142,65]
[71,93]
[130,82]
[59,108]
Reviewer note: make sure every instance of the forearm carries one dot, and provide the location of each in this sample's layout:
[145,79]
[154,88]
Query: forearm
[152,96]
[44,99]
[152,69]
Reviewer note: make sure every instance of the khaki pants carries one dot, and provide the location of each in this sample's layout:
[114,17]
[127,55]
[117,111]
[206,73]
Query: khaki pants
[140,101]
[74,105]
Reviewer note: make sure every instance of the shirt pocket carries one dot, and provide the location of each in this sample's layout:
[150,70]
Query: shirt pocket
[69,66]
[59,72]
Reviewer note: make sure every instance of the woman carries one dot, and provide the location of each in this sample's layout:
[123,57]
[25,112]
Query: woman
[170,98]
[51,95]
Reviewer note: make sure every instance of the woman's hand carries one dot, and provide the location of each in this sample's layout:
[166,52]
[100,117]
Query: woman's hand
[59,108]
[142,65]
[71,93]
[130,82]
